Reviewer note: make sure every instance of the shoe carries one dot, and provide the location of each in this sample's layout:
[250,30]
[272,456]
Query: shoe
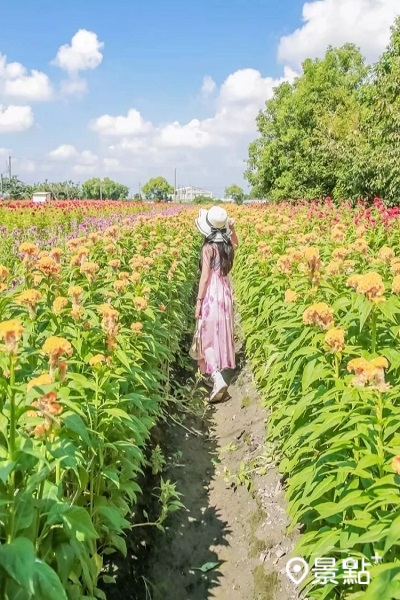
[219,388]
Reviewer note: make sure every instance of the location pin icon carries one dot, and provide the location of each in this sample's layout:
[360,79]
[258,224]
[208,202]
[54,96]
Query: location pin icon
[297,569]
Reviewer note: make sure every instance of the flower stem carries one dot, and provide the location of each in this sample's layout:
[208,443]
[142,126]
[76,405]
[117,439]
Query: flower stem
[11,447]
[374,318]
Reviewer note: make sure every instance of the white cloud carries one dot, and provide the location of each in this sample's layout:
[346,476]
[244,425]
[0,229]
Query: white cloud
[17,83]
[15,118]
[365,23]
[132,124]
[209,86]
[63,152]
[82,54]
[84,162]
[74,86]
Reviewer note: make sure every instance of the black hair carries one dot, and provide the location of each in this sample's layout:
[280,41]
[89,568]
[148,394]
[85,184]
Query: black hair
[223,254]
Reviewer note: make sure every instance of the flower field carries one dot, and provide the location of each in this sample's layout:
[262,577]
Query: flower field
[89,325]
[318,291]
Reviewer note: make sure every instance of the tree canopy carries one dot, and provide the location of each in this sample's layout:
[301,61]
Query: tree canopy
[235,192]
[157,188]
[334,131]
[106,188]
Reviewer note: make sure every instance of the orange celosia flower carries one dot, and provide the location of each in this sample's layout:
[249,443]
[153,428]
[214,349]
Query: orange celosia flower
[369,372]
[396,464]
[333,268]
[29,297]
[76,313]
[4,273]
[44,379]
[109,248]
[54,347]
[28,249]
[290,296]
[75,291]
[48,266]
[119,285]
[11,332]
[285,264]
[396,285]
[318,314]
[59,303]
[56,254]
[372,286]
[395,266]
[114,263]
[311,255]
[340,253]
[334,339]
[137,327]
[96,360]
[90,269]
[140,303]
[386,254]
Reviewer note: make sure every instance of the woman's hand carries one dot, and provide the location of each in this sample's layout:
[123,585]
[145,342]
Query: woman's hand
[231,223]
[197,313]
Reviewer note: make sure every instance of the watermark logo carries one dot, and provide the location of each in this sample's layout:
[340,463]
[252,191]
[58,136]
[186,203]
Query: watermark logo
[325,570]
[297,569]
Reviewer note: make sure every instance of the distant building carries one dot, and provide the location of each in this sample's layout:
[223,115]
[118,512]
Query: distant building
[188,194]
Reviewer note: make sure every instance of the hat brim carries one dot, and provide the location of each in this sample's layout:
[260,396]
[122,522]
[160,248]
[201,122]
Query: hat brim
[204,227]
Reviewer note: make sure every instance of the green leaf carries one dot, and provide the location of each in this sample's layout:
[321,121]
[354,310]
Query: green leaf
[47,583]
[17,559]
[208,566]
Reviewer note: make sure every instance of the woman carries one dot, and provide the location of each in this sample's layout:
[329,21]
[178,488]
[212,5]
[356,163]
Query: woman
[214,304]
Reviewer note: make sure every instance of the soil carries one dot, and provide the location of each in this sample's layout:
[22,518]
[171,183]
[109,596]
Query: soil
[234,522]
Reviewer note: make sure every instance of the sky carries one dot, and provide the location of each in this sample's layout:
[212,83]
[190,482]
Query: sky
[136,89]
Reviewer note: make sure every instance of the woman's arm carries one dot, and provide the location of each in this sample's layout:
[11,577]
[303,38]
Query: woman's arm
[204,279]
[234,237]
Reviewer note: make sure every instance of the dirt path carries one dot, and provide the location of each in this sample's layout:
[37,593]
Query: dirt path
[224,523]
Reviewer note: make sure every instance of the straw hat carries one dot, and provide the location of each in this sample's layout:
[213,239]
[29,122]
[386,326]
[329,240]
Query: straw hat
[214,223]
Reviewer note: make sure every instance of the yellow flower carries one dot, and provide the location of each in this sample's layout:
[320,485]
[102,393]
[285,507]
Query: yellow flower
[75,291]
[140,303]
[119,285]
[55,347]
[48,266]
[372,286]
[318,314]
[28,249]
[29,297]
[311,256]
[89,269]
[11,332]
[334,339]
[56,254]
[4,273]
[396,464]
[76,313]
[115,263]
[290,296]
[96,360]
[369,372]
[44,379]
[386,254]
[59,303]
[396,285]
[137,327]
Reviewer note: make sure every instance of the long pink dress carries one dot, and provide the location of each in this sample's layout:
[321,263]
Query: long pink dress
[216,330]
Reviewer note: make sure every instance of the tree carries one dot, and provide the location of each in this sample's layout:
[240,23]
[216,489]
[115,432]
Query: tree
[157,188]
[235,192]
[379,155]
[311,131]
[94,189]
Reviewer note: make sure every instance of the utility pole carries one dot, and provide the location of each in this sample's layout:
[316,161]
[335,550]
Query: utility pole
[175,187]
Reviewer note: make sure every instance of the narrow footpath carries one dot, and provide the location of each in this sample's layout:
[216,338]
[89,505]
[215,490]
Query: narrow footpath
[230,542]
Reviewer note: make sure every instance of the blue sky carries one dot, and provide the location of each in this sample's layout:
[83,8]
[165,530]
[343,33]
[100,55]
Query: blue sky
[151,58]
